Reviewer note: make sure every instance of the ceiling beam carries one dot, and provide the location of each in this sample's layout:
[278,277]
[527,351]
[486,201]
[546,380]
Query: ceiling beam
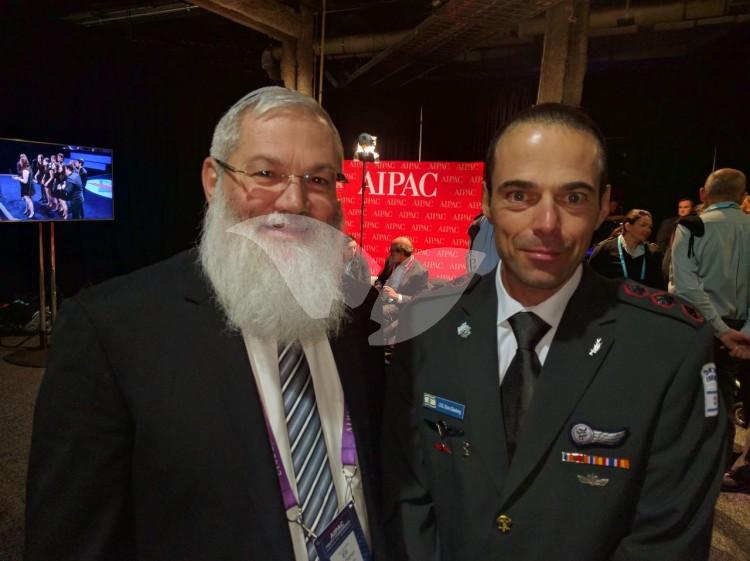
[266,16]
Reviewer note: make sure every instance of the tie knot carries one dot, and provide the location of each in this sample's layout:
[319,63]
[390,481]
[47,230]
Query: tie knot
[528,328]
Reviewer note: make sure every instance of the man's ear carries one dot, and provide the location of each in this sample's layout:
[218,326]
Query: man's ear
[604,204]
[485,201]
[209,177]
[702,194]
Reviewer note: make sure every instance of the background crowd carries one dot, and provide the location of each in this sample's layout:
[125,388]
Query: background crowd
[60,185]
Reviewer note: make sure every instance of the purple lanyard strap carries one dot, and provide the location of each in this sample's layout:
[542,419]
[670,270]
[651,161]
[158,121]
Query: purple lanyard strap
[348,457]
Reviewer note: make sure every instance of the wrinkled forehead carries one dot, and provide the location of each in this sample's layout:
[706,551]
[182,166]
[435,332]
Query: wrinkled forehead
[275,122]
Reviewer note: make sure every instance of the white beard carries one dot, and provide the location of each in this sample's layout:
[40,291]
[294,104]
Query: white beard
[273,288]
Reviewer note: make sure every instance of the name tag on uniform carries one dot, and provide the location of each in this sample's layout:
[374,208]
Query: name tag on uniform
[343,539]
[445,406]
[710,390]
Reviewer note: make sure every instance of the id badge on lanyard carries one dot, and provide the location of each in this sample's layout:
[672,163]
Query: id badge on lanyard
[343,539]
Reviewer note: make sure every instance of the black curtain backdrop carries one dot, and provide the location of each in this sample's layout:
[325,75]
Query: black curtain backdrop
[458,120]
[155,103]
[666,119]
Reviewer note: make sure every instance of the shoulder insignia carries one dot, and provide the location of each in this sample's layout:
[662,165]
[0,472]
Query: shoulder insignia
[663,299]
[692,313]
[659,302]
[635,290]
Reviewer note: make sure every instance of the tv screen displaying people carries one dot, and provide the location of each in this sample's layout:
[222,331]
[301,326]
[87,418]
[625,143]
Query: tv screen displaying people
[54,182]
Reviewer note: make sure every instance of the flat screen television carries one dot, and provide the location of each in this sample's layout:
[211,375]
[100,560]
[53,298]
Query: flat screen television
[47,182]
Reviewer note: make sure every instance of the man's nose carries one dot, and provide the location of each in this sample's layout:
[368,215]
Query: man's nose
[547,219]
[293,199]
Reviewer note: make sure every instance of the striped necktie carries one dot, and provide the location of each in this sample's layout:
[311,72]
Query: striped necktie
[315,489]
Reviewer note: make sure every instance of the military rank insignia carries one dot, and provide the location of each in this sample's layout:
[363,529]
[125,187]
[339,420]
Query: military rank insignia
[592,479]
[663,299]
[692,313]
[582,434]
[635,290]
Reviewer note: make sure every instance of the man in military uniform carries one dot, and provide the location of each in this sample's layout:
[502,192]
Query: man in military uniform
[711,270]
[541,418]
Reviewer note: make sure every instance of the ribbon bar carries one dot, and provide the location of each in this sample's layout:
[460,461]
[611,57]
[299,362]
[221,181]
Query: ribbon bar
[578,458]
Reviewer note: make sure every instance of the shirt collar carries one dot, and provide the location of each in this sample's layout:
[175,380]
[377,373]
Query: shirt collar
[639,250]
[551,310]
[404,264]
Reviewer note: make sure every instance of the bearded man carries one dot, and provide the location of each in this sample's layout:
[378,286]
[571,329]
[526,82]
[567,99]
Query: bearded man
[223,404]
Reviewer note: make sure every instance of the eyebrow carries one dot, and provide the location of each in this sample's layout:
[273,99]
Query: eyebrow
[272,160]
[521,184]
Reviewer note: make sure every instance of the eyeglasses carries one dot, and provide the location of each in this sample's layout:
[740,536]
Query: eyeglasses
[270,179]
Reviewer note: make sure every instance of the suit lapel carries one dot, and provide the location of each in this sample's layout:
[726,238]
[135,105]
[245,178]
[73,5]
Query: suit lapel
[484,420]
[571,364]
[223,356]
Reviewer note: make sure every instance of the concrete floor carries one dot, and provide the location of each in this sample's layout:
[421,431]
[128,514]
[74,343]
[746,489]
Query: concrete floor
[18,388]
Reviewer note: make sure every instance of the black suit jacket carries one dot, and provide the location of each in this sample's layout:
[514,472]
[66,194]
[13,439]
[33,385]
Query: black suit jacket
[624,357]
[149,440]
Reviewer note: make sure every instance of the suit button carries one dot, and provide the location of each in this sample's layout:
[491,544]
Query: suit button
[504,522]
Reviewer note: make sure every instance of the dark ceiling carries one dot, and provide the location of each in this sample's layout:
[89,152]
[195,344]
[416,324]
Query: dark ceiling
[437,39]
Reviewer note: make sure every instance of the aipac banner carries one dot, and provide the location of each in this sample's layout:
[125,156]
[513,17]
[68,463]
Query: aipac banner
[432,203]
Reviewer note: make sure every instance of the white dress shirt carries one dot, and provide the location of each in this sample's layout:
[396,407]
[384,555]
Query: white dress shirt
[639,250]
[329,396]
[551,311]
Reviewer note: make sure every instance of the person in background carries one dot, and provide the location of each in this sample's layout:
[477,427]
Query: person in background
[60,182]
[25,180]
[614,220]
[627,254]
[355,264]
[711,270]
[82,172]
[47,183]
[482,240]
[21,157]
[37,172]
[402,278]
[685,207]
[73,192]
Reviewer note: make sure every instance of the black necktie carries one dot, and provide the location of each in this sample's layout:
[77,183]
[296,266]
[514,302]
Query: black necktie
[517,388]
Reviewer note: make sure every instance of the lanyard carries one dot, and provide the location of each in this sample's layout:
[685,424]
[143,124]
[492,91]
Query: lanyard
[717,206]
[348,457]
[622,261]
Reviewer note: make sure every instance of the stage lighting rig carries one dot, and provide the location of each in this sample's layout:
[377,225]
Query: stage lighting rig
[364,151]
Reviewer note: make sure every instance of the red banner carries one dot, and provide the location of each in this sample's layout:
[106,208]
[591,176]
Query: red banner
[432,203]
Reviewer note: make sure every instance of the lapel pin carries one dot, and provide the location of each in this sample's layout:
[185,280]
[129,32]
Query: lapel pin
[596,346]
[464,330]
[443,447]
[466,449]
[443,429]
[593,480]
